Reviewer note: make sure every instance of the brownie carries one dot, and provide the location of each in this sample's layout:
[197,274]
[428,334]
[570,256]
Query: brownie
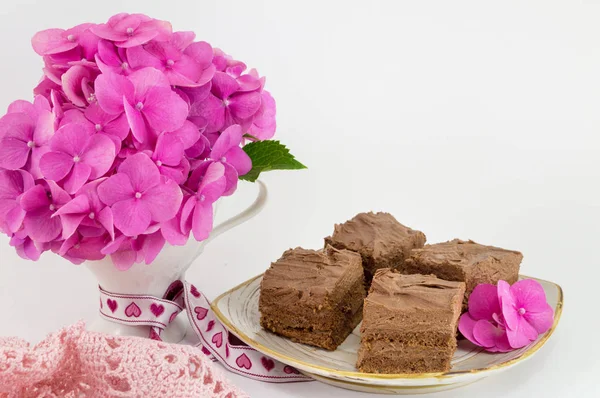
[465,261]
[379,238]
[313,296]
[409,323]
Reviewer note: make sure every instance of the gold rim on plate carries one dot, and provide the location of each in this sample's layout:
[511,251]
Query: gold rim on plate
[444,375]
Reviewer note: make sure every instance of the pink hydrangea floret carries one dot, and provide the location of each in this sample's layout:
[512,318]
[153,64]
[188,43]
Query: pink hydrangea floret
[503,318]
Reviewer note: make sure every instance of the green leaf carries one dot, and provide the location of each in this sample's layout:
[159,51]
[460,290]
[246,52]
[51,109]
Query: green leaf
[269,155]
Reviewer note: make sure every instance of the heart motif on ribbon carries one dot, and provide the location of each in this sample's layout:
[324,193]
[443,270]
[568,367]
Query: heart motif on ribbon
[112,304]
[133,310]
[200,313]
[289,370]
[210,326]
[157,309]
[244,362]
[267,363]
[218,339]
[194,291]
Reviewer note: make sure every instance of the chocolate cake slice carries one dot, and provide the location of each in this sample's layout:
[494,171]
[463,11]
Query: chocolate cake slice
[379,238]
[465,261]
[409,323]
[313,296]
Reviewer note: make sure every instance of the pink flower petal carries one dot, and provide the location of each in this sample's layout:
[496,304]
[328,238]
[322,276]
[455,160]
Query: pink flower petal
[34,199]
[541,321]
[72,84]
[142,172]
[483,302]
[245,105]
[14,183]
[136,122]
[111,88]
[213,184]
[79,175]
[138,57]
[105,218]
[124,259]
[56,165]
[202,222]
[231,178]
[115,189]
[522,334]
[159,99]
[153,244]
[13,153]
[171,231]
[466,325]
[78,205]
[163,200]
[13,217]
[529,293]
[169,149]
[211,109]
[487,334]
[131,217]
[223,85]
[17,125]
[146,79]
[239,160]
[507,303]
[231,137]
[188,134]
[41,227]
[71,138]
[99,154]
[187,213]
[70,222]
[51,41]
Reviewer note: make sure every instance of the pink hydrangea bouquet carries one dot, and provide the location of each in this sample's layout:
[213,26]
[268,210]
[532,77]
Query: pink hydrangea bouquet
[133,133]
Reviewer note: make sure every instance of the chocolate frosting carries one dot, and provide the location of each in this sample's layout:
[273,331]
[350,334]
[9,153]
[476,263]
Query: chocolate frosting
[303,275]
[414,292]
[375,234]
[461,253]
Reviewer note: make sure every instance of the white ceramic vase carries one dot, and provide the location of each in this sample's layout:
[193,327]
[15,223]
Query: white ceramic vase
[154,279]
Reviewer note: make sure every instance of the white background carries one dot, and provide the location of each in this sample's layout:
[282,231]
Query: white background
[463,119]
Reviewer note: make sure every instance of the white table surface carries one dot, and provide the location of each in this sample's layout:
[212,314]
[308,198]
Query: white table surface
[474,119]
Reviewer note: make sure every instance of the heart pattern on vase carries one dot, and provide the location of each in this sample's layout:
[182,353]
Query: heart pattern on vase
[133,310]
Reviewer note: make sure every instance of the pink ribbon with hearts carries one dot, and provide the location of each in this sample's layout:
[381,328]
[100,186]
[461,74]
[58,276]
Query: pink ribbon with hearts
[215,340]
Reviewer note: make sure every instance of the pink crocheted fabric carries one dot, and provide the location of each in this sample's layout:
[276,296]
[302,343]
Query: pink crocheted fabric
[76,363]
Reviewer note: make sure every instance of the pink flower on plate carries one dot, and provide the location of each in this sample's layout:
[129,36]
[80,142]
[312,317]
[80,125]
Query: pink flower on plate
[184,63]
[145,95]
[87,213]
[13,183]
[169,158]
[40,203]
[226,104]
[23,140]
[55,41]
[483,323]
[138,195]
[526,311]
[197,211]
[77,155]
[129,30]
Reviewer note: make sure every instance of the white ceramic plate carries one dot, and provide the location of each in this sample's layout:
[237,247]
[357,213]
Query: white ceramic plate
[238,310]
